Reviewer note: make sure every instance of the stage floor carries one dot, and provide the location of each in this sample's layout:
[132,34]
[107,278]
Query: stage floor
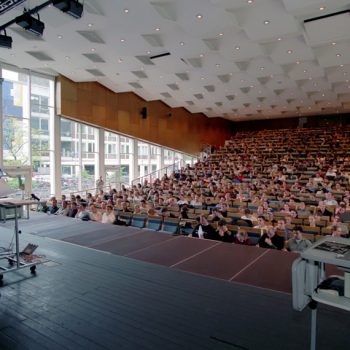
[90,299]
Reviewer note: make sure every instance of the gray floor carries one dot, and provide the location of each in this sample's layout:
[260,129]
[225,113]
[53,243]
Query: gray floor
[87,299]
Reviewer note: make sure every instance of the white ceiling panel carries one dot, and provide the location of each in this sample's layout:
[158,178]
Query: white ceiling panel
[239,58]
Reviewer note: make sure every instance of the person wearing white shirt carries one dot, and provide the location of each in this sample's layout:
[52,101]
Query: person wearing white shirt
[108,216]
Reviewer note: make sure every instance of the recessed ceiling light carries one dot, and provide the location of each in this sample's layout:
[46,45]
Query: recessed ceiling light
[126,10]
[148,52]
[120,60]
[338,54]
[334,43]
[221,34]
[322,95]
[217,65]
[237,47]
[266,21]
[305,70]
[93,49]
[202,78]
[242,80]
[122,40]
[341,65]
[297,62]
[289,51]
[252,86]
[67,57]
[279,39]
[199,16]
[182,43]
[59,36]
[250,2]
[157,29]
[262,68]
[322,8]
[90,25]
[201,55]
[310,78]
[345,73]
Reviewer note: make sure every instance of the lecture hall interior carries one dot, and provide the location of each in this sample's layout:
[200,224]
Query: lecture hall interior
[174,174]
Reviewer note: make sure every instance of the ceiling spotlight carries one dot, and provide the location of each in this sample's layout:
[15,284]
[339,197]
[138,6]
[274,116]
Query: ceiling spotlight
[237,47]
[5,41]
[279,39]
[217,65]
[182,43]
[201,55]
[266,22]
[322,8]
[297,62]
[157,29]
[199,16]
[126,10]
[334,43]
[122,40]
[338,54]
[221,34]
[250,2]
[72,7]
[31,24]
[262,68]
[90,25]
[93,49]
[289,51]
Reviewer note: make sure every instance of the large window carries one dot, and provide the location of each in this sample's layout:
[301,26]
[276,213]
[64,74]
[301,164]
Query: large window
[62,155]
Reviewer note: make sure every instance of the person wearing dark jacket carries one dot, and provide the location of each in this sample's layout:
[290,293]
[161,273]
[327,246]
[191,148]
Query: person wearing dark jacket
[204,229]
[73,210]
[271,240]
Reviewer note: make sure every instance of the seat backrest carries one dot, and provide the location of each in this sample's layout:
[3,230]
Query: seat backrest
[154,222]
[125,216]
[138,220]
[171,225]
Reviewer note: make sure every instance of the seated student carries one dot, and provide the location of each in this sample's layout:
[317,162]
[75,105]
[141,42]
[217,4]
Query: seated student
[271,240]
[216,215]
[337,222]
[94,213]
[261,223]
[204,229]
[247,217]
[53,208]
[72,210]
[82,213]
[64,209]
[298,243]
[337,231]
[242,238]
[184,212]
[167,214]
[108,216]
[223,232]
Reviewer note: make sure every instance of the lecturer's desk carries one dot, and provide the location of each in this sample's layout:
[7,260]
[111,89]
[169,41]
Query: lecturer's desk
[8,211]
[14,259]
[309,272]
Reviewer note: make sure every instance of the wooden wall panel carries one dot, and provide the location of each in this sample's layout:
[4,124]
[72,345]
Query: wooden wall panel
[97,105]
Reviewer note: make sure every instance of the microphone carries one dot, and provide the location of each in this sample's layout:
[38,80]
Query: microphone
[33,196]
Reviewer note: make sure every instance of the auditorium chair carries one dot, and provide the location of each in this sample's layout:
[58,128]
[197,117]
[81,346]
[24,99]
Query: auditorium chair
[154,223]
[138,220]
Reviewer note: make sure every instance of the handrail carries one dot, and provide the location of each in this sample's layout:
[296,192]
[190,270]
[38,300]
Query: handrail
[157,174]
[86,191]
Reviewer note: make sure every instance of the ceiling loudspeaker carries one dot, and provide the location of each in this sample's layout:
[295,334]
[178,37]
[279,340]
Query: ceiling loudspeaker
[144,112]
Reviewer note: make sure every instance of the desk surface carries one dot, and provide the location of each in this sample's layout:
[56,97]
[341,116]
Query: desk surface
[314,252]
[16,201]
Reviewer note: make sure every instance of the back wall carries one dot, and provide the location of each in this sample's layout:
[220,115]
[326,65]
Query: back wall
[175,128]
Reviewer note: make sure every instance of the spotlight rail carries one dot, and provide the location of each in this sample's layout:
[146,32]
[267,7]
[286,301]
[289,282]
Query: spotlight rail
[71,7]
